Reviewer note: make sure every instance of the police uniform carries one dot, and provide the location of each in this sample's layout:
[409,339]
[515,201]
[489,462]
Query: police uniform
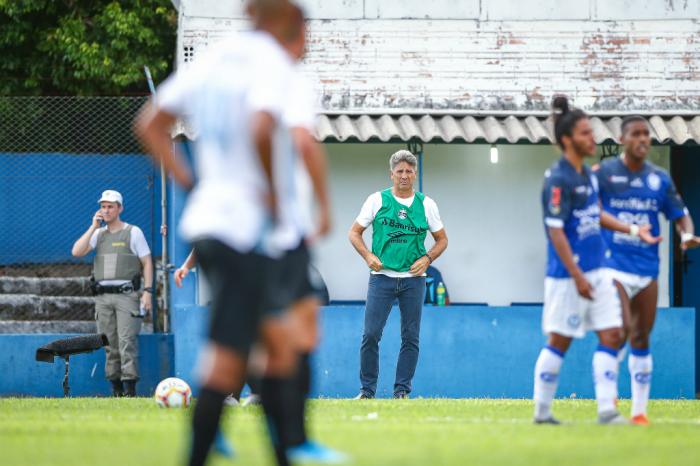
[116,270]
[636,198]
[570,201]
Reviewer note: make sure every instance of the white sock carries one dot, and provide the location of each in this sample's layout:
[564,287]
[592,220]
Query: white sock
[605,369]
[640,365]
[546,381]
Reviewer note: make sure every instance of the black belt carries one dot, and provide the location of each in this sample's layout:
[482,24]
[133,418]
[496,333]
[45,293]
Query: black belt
[114,289]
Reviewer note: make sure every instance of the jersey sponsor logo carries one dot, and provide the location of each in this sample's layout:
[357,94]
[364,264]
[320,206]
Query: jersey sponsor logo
[574,321]
[583,190]
[634,203]
[549,377]
[407,229]
[654,181]
[642,377]
[402,214]
[637,183]
[618,179]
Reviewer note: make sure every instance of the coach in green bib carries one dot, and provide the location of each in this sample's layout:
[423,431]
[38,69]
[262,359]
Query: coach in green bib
[122,264]
[400,218]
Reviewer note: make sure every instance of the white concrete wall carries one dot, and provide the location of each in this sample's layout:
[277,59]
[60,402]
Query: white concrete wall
[478,55]
[491,213]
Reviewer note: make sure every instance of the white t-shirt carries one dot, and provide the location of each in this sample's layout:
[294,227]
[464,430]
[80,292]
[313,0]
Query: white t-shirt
[374,203]
[234,79]
[137,244]
[292,179]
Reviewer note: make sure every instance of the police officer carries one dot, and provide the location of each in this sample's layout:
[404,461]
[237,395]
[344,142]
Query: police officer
[122,264]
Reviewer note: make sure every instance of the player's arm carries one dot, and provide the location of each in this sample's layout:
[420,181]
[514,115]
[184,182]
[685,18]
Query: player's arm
[316,164]
[563,249]
[185,268]
[419,267]
[686,230]
[152,126]
[355,237]
[610,222]
[262,128]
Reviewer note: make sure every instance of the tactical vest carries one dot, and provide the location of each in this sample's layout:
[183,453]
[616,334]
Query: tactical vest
[398,239]
[114,259]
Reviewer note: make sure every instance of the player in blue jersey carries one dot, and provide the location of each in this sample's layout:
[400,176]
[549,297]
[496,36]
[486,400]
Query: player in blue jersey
[579,291]
[636,191]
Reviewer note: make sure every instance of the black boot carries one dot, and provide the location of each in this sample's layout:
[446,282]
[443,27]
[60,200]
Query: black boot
[129,388]
[117,388]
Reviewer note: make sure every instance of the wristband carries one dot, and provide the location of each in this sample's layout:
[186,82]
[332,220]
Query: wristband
[634,230]
[430,259]
[686,236]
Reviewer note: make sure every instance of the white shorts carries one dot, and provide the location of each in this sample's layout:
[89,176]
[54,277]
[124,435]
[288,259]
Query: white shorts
[569,314]
[631,282]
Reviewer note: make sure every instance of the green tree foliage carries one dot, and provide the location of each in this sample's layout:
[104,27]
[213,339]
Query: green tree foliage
[84,47]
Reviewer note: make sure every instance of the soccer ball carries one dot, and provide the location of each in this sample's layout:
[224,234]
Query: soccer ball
[173,393]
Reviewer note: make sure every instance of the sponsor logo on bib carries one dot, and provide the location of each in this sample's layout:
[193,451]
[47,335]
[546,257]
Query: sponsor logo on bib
[403,215]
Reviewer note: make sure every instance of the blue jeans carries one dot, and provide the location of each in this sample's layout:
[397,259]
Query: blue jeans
[382,293]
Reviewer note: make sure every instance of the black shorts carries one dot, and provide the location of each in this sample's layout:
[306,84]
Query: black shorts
[239,285]
[293,278]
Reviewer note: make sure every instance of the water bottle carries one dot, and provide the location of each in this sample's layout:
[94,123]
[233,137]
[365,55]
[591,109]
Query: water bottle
[441,292]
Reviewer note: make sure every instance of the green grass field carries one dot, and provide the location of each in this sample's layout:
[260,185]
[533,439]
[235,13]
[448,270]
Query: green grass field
[129,432]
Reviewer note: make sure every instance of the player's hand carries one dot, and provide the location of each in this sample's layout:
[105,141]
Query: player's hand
[583,286]
[646,236]
[180,275]
[96,219]
[146,301]
[420,266]
[692,243]
[324,223]
[374,263]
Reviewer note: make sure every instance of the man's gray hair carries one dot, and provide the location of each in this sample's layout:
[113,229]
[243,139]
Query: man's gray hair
[402,156]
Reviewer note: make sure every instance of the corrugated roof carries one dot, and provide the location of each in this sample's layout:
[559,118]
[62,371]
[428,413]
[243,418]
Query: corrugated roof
[480,129]
[488,129]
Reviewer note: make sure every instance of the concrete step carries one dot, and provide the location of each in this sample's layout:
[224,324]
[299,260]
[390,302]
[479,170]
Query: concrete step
[35,307]
[46,286]
[56,326]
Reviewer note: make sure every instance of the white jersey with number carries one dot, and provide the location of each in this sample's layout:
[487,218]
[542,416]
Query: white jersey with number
[242,75]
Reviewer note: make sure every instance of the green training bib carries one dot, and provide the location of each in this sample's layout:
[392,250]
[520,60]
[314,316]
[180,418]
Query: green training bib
[398,239]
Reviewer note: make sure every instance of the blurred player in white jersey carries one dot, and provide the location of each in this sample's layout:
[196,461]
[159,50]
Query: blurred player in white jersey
[235,95]
[637,191]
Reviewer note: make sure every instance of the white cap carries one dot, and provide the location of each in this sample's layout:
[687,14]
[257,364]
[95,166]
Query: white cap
[111,196]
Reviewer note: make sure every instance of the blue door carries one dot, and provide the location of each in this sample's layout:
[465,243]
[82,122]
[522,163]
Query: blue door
[685,164]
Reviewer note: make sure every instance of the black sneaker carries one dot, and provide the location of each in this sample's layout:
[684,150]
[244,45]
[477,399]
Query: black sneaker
[401,395]
[129,388]
[117,388]
[363,396]
[551,420]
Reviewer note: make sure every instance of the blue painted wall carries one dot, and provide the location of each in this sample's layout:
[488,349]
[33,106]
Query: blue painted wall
[23,376]
[470,351]
[48,201]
